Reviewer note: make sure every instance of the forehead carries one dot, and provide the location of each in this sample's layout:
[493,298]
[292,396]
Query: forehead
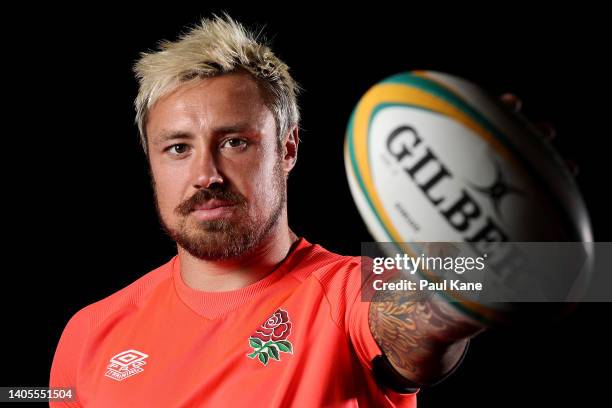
[224,100]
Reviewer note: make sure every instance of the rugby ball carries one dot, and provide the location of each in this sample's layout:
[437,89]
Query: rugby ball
[432,157]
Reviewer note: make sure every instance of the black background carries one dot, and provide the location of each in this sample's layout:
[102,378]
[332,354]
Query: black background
[79,219]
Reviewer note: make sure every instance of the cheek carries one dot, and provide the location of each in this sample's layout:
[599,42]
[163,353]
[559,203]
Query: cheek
[167,190]
[266,183]
[257,182]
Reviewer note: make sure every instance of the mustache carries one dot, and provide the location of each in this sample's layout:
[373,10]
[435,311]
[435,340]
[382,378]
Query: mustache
[207,194]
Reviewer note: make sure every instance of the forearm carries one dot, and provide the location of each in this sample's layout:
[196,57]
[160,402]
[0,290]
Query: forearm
[423,340]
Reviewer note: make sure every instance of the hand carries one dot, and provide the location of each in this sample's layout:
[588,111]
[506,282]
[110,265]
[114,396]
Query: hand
[547,130]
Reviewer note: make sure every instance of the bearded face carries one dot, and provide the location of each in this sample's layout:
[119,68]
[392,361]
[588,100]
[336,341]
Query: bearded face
[217,166]
[234,231]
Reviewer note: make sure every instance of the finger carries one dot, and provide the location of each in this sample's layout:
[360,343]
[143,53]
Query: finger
[572,166]
[512,101]
[547,130]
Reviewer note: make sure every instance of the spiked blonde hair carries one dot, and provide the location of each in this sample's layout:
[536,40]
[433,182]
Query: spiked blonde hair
[215,47]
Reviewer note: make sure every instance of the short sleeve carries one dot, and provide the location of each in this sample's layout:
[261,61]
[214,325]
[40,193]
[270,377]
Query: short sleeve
[361,337]
[360,334]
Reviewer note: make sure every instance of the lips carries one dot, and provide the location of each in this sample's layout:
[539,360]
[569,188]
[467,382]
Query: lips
[213,209]
[212,204]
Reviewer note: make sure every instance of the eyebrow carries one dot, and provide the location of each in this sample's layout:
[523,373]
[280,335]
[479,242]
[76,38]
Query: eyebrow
[167,136]
[174,135]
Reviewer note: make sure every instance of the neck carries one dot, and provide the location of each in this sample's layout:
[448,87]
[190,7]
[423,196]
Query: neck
[232,274]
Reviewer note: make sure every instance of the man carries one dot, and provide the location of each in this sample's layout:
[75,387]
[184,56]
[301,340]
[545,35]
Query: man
[247,313]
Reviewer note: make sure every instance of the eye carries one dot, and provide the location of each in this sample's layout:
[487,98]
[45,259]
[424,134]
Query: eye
[177,149]
[234,143]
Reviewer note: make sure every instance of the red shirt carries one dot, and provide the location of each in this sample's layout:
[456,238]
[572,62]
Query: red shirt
[298,337]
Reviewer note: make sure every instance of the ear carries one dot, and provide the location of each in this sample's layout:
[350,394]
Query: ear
[290,149]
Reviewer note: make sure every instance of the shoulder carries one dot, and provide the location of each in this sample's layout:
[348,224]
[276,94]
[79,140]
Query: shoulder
[132,295]
[323,264]
[339,277]
[84,322]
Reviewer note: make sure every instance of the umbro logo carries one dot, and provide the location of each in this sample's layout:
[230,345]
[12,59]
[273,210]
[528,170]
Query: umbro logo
[125,364]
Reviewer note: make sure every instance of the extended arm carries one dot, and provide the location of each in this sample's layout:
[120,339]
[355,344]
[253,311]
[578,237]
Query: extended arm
[422,339]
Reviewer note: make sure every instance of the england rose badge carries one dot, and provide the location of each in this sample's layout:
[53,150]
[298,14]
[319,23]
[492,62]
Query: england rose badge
[271,338]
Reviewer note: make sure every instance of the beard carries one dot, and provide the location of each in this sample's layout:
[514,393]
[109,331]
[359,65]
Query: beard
[226,238]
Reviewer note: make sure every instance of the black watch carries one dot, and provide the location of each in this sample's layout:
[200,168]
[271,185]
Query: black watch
[387,376]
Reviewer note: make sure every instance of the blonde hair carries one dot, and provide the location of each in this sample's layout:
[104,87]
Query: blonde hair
[215,47]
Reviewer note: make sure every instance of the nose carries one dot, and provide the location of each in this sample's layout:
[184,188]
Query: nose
[206,172]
